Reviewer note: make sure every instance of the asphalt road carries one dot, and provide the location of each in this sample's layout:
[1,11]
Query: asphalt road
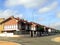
[45,40]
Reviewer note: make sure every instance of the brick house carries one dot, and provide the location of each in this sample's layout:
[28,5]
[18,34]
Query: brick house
[15,25]
[10,24]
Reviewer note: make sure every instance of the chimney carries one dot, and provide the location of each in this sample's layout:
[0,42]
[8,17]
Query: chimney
[12,17]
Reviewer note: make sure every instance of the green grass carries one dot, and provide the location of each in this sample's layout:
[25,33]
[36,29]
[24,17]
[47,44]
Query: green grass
[46,40]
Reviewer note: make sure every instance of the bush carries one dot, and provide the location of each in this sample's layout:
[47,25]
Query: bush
[40,28]
[57,31]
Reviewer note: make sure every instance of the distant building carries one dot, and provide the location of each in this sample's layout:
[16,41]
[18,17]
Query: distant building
[1,25]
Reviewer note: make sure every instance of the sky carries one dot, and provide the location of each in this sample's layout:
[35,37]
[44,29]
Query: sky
[44,12]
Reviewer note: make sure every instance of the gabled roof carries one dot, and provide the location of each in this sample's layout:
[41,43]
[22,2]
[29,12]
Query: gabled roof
[31,23]
[9,19]
[12,17]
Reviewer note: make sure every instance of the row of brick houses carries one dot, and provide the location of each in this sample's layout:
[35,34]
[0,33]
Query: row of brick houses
[13,25]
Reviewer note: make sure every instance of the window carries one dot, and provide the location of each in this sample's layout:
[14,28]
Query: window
[19,26]
[26,27]
[10,27]
[16,26]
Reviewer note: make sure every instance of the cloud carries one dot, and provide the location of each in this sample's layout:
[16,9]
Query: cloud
[7,13]
[25,3]
[55,25]
[48,8]
[58,14]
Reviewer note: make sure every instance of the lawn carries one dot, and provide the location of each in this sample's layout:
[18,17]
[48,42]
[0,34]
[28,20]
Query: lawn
[46,40]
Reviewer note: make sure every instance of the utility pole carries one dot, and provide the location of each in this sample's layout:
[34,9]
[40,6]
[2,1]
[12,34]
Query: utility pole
[33,28]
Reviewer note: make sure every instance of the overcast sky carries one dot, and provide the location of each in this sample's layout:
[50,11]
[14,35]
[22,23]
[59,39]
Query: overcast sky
[45,12]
